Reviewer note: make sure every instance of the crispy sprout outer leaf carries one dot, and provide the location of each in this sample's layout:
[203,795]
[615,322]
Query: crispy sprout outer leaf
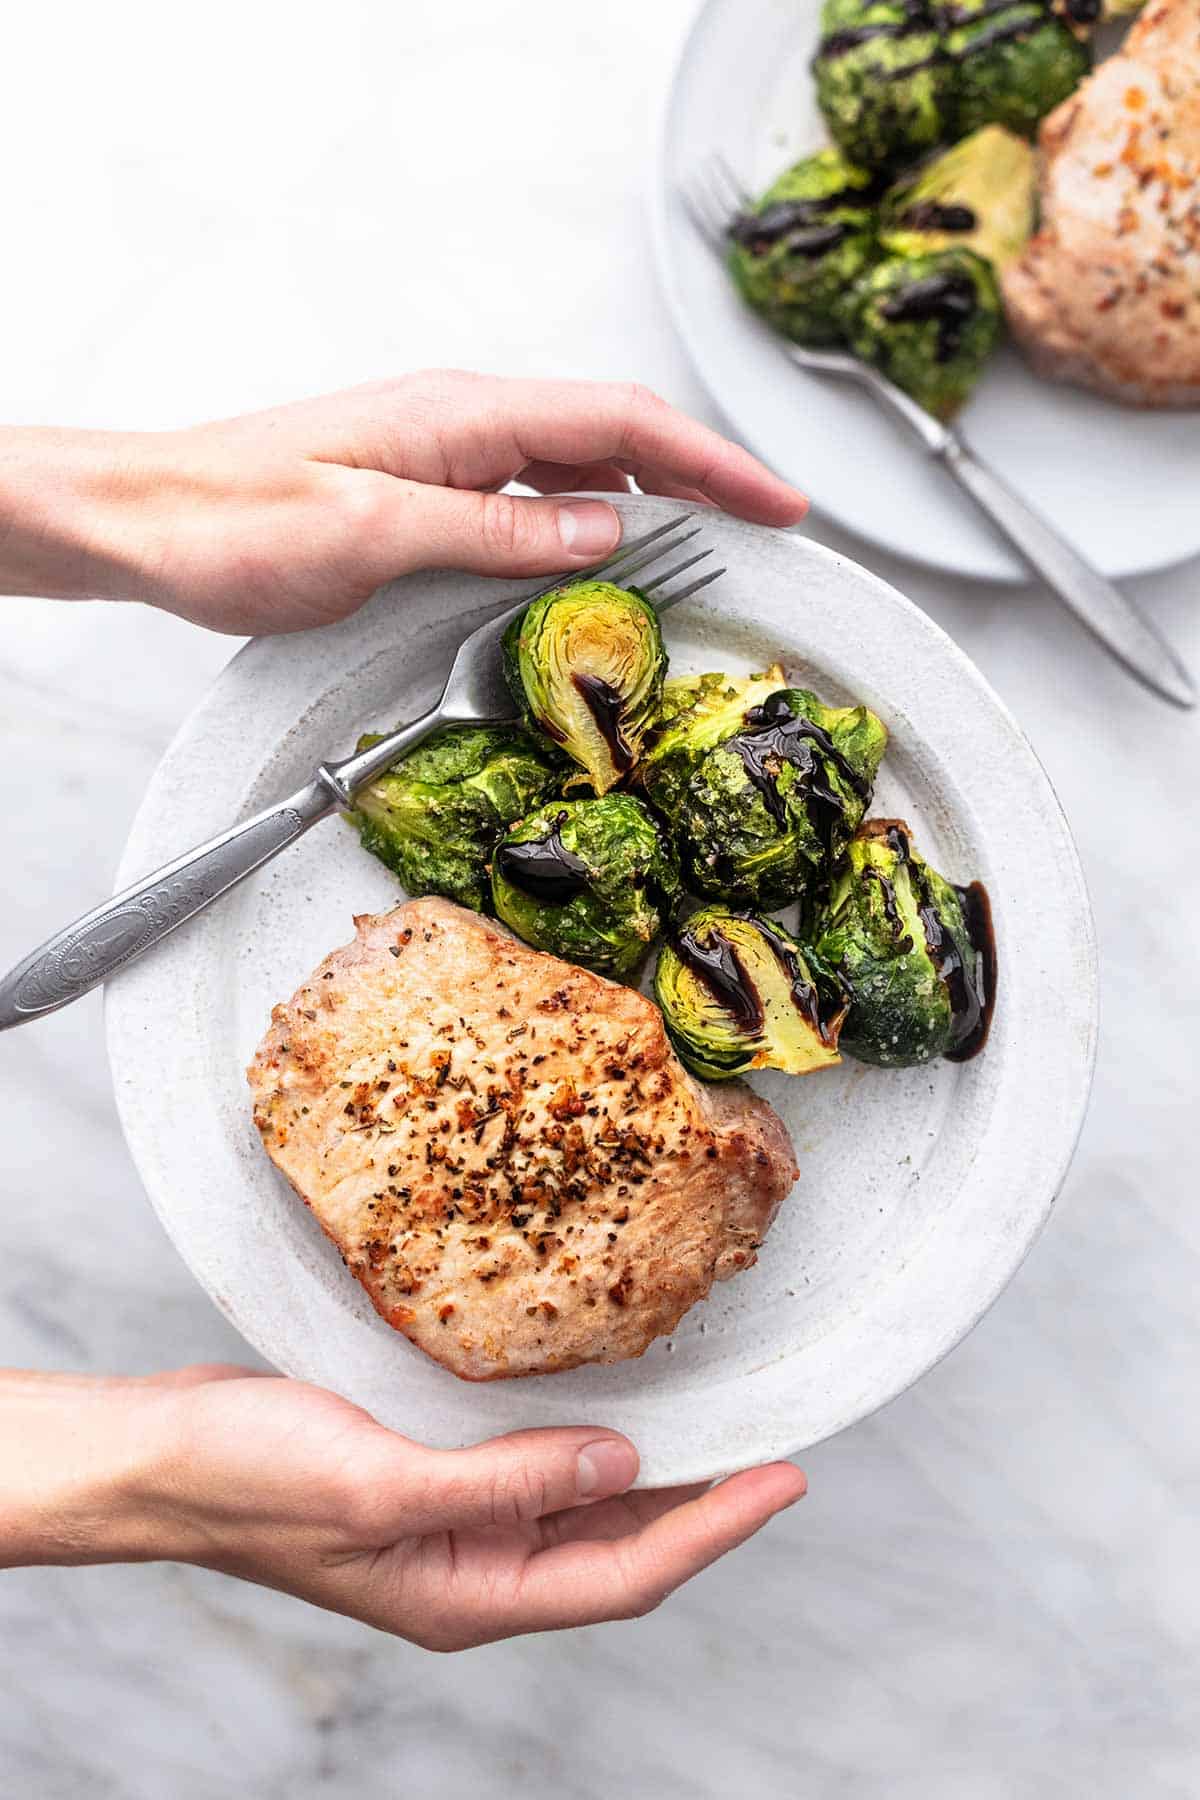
[586,665]
[798,249]
[737,994]
[598,887]
[874,942]
[434,818]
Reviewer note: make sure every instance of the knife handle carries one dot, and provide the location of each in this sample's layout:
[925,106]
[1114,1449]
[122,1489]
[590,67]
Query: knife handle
[1107,613]
[102,941]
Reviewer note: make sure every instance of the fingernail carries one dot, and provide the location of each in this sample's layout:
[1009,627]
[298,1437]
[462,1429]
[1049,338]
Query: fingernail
[588,529]
[605,1467]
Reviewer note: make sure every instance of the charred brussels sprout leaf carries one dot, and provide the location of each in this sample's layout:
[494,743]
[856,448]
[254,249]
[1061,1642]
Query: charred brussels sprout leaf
[586,665]
[737,994]
[910,953]
[883,85]
[435,817]
[1013,64]
[980,195]
[930,323]
[589,880]
[764,813]
[807,239]
[697,713]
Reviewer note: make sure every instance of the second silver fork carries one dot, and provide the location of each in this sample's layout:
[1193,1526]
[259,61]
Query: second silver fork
[714,198]
[85,953]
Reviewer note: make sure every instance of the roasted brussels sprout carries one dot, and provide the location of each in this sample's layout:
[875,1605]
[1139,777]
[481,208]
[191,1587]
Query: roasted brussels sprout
[436,816]
[807,239]
[697,713]
[883,85]
[911,954]
[762,814]
[586,665]
[980,195]
[930,323]
[590,880]
[737,994]
[1012,64]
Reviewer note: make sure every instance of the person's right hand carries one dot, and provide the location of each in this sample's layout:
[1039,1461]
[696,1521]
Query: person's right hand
[291,518]
[289,1486]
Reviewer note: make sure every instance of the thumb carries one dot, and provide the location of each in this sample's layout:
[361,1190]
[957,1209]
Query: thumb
[515,1479]
[497,534]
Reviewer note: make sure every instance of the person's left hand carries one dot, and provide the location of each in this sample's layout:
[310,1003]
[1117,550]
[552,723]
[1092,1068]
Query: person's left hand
[288,1485]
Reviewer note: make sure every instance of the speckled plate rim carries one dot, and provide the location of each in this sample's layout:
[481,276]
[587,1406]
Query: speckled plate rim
[774,1411]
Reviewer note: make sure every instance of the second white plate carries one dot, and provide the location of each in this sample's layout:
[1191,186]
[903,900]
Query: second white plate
[1119,483]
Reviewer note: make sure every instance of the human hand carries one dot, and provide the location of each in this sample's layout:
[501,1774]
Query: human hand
[289,1486]
[291,518]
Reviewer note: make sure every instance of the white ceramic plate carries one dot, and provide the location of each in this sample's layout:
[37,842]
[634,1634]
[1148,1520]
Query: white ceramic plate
[1119,483]
[920,1191]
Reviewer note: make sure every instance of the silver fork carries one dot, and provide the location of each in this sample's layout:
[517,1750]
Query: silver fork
[104,940]
[713,198]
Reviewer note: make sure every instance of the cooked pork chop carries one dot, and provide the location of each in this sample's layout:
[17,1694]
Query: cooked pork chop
[1107,293]
[505,1149]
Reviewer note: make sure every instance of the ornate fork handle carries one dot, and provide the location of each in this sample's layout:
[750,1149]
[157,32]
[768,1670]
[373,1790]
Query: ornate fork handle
[91,949]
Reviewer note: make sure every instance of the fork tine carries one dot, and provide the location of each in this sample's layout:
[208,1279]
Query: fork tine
[665,601]
[704,215]
[740,199]
[648,587]
[618,557]
[675,543]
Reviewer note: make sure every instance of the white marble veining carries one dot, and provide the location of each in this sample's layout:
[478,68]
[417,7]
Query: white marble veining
[992,1591]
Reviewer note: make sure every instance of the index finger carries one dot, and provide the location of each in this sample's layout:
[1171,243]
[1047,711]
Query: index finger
[584,1583]
[590,422]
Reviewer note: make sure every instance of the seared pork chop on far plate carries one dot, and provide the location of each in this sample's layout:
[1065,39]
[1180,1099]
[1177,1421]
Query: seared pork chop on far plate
[1107,292]
[505,1148]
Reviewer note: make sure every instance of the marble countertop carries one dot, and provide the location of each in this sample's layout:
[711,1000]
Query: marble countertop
[992,1591]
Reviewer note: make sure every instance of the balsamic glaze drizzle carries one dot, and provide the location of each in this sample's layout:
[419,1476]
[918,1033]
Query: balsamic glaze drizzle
[948,298]
[801,222]
[919,20]
[607,708]
[544,868]
[937,215]
[718,967]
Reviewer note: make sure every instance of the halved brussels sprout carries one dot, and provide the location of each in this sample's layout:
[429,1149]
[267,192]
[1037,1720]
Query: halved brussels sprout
[882,83]
[737,994]
[1013,64]
[589,880]
[979,195]
[586,665]
[763,815]
[930,323]
[911,954]
[436,816]
[796,252]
